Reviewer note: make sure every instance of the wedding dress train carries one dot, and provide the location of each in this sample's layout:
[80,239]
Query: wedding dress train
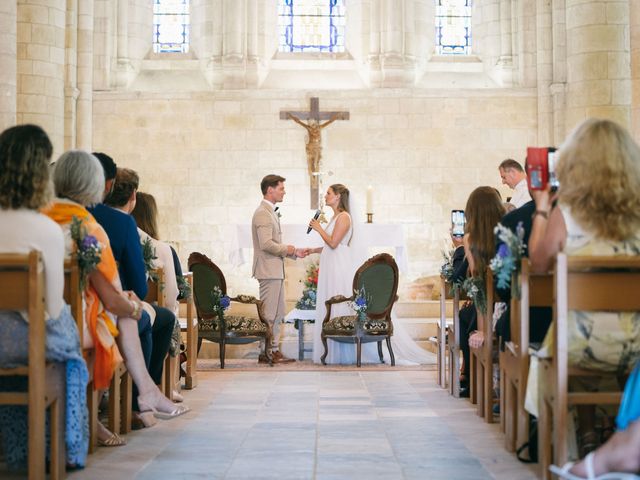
[337,268]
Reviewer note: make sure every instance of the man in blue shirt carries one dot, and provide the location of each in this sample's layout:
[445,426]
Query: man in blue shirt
[125,243]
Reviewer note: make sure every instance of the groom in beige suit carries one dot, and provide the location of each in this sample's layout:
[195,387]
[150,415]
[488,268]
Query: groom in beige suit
[268,260]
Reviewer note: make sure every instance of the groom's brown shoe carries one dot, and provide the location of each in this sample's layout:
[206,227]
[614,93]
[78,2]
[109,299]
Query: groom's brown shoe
[262,358]
[279,358]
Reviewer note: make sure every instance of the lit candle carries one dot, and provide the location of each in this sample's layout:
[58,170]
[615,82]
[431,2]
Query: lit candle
[369,199]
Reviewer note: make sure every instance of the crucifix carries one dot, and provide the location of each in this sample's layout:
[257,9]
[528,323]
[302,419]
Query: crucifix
[314,127]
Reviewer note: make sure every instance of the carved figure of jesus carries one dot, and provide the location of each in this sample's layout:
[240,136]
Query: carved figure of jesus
[314,143]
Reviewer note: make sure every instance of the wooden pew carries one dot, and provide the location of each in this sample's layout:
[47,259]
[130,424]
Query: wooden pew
[481,360]
[536,290]
[120,389]
[155,294]
[73,297]
[581,284]
[23,289]
[441,344]
[191,329]
[454,345]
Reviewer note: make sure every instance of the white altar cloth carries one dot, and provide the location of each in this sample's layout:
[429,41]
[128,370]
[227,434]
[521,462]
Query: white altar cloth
[376,235]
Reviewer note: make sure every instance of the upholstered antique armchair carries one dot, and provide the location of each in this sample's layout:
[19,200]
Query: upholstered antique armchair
[231,329]
[379,277]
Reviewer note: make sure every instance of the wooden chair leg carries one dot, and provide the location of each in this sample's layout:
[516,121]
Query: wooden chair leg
[473,380]
[509,398]
[326,350]
[393,358]
[114,402]
[503,397]
[192,349]
[544,439]
[488,390]
[126,398]
[358,351]
[380,351]
[92,405]
[222,349]
[522,419]
[479,387]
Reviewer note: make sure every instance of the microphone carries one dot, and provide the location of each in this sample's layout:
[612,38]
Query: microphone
[315,217]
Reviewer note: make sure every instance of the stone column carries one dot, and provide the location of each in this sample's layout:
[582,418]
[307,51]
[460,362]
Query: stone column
[41,59]
[635,68]
[544,70]
[84,113]
[397,68]
[8,62]
[124,71]
[598,61]
[233,43]
[71,75]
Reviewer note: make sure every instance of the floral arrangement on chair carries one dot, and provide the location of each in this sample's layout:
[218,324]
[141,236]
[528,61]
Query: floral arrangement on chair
[148,256]
[308,300]
[446,270]
[360,302]
[475,290]
[184,289]
[220,302]
[507,259]
[88,250]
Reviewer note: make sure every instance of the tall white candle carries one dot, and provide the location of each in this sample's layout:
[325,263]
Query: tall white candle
[369,199]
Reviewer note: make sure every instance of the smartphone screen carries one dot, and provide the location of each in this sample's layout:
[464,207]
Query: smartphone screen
[457,223]
[552,158]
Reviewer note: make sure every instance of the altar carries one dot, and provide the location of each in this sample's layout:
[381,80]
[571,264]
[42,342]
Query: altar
[376,235]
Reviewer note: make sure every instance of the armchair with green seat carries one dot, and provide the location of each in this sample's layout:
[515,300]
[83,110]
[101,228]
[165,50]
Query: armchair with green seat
[230,329]
[379,278]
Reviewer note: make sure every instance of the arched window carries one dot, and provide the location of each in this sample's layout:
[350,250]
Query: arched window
[311,25]
[171,26]
[453,27]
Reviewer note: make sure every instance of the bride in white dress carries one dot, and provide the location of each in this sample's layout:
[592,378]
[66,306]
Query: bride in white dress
[340,257]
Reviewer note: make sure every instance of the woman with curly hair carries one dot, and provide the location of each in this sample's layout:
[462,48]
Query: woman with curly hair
[25,187]
[597,214]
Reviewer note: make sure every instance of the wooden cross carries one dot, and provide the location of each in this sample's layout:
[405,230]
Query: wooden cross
[314,127]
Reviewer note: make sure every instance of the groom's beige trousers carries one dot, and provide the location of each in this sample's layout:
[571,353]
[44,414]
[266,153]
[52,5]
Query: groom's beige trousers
[272,296]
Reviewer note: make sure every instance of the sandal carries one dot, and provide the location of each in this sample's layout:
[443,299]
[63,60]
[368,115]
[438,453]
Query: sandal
[176,412]
[567,475]
[114,440]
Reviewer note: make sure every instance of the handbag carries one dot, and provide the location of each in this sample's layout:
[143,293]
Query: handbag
[630,406]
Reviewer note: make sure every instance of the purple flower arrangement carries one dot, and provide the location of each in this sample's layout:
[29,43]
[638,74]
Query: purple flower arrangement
[88,250]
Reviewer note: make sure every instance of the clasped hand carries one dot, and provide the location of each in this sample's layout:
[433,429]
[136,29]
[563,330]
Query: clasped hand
[301,252]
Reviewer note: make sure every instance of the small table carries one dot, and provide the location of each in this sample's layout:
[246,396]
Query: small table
[299,317]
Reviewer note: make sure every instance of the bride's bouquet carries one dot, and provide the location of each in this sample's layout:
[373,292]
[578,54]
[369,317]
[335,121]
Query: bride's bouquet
[308,300]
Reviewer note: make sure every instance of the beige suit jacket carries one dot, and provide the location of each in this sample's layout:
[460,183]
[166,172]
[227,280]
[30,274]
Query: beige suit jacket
[268,251]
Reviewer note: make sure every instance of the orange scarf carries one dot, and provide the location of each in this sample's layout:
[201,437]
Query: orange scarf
[99,323]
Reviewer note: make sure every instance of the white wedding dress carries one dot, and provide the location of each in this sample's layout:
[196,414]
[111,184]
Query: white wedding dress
[337,268]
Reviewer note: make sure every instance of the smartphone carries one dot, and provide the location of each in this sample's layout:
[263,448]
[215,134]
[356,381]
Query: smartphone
[457,223]
[537,167]
[552,157]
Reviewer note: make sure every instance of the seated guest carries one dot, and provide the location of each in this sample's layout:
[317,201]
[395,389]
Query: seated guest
[79,181]
[597,213]
[25,187]
[619,457]
[125,241]
[145,212]
[483,212]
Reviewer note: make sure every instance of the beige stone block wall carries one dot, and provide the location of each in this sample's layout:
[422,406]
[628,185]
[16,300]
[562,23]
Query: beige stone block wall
[598,62]
[40,64]
[8,63]
[202,155]
[634,26]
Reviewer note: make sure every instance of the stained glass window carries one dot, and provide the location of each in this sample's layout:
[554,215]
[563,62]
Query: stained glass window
[453,27]
[170,26]
[311,25]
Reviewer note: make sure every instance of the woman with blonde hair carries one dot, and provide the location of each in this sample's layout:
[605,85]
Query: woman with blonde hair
[597,214]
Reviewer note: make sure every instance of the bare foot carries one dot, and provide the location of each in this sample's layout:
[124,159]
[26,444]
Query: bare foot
[619,454]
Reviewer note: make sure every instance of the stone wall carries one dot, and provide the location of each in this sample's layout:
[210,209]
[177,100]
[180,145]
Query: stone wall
[202,156]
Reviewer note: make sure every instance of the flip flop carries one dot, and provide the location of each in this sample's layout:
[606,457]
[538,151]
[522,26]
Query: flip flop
[564,472]
[114,440]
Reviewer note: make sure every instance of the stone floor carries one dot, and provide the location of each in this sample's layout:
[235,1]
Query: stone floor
[339,424]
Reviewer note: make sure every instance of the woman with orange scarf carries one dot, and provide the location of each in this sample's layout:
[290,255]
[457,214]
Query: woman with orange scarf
[110,312]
